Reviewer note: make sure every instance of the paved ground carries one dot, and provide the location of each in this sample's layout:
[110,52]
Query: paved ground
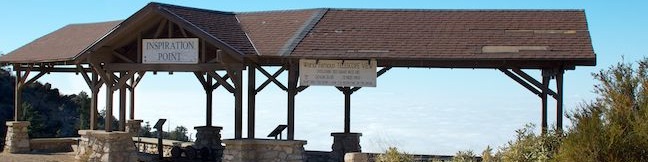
[38,157]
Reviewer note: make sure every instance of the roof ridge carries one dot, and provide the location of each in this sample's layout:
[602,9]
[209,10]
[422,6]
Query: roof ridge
[92,23]
[191,8]
[299,35]
[278,11]
[468,10]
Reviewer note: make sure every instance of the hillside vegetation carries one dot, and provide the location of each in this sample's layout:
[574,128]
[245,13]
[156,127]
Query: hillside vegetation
[53,114]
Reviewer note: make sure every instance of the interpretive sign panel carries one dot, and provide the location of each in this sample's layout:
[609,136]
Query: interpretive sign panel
[170,51]
[341,73]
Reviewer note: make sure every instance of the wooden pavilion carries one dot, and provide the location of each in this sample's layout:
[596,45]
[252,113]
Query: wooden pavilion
[111,54]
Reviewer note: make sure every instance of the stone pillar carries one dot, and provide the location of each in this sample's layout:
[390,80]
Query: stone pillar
[209,137]
[345,143]
[17,139]
[264,150]
[99,145]
[133,127]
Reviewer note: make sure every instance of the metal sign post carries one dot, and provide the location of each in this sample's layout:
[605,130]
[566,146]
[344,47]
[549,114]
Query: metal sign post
[158,126]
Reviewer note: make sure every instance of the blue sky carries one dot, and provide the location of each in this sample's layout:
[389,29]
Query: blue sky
[428,111]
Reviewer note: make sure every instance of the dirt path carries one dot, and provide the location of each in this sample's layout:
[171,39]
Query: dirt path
[38,157]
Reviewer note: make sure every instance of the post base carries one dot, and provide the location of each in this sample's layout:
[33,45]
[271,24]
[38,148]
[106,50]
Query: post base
[344,143]
[17,139]
[99,145]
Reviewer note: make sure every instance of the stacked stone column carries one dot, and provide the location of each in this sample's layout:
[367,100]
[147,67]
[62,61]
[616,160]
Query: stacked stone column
[99,145]
[345,143]
[209,137]
[17,139]
[133,127]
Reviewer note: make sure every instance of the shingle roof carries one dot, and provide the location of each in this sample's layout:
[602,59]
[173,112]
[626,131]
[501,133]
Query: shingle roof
[222,25]
[275,33]
[387,34]
[61,45]
[449,34]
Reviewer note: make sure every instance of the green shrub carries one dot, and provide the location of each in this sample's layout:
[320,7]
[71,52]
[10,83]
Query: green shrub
[393,155]
[528,146]
[465,156]
[615,126]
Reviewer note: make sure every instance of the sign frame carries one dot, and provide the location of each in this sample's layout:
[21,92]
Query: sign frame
[170,51]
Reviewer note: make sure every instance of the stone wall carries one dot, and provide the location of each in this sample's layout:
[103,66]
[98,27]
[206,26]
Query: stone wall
[53,144]
[99,145]
[17,139]
[263,150]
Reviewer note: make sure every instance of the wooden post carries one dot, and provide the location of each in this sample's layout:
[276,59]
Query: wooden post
[347,110]
[93,101]
[132,99]
[209,93]
[237,78]
[559,99]
[545,84]
[109,102]
[251,100]
[122,104]
[292,92]
[18,94]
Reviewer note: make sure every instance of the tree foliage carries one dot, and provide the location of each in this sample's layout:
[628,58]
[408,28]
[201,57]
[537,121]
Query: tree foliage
[615,126]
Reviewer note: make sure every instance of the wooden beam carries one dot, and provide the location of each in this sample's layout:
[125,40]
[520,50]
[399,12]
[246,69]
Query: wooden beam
[533,81]
[271,78]
[93,101]
[347,110]
[109,102]
[33,79]
[208,100]
[132,99]
[221,81]
[559,100]
[292,92]
[85,76]
[18,95]
[169,67]
[122,99]
[521,82]
[122,57]
[545,84]
[123,79]
[160,27]
[301,88]
[251,100]
[238,102]
[202,81]
[216,85]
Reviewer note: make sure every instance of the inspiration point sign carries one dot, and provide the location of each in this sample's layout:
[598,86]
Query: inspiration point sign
[341,73]
[170,51]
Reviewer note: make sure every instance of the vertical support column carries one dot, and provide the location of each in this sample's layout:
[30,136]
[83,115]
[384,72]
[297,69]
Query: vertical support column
[122,104]
[347,110]
[559,99]
[251,100]
[292,92]
[18,94]
[209,100]
[109,101]
[132,99]
[545,85]
[238,103]
[93,101]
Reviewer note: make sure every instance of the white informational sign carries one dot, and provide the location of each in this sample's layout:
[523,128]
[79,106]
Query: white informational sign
[170,51]
[347,73]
